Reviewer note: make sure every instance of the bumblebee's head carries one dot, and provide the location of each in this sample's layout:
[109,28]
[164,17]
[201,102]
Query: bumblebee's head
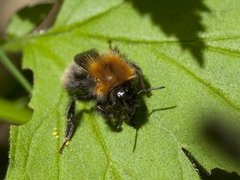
[124,95]
[124,101]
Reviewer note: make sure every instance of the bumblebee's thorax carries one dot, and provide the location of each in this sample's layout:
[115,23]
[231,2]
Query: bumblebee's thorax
[109,71]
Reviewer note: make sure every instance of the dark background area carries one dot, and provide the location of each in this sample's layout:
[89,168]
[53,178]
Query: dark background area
[10,88]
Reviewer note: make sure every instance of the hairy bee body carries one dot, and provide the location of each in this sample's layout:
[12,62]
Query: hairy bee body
[108,79]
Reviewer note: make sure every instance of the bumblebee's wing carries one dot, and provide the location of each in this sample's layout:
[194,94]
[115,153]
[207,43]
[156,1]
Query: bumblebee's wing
[84,58]
[76,78]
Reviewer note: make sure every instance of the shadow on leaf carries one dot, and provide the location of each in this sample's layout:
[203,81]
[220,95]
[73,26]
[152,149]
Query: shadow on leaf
[162,109]
[179,18]
[216,173]
[223,134]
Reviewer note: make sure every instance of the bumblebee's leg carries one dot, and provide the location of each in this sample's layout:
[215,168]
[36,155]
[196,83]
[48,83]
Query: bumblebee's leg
[71,121]
[120,121]
[70,124]
[139,74]
[114,49]
[82,58]
[84,97]
[132,120]
[134,125]
[100,108]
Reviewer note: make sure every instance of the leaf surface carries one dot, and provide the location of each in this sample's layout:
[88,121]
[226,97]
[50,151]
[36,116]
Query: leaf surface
[194,53]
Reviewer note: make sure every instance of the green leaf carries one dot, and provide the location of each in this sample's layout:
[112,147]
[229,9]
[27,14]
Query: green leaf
[27,19]
[14,112]
[191,47]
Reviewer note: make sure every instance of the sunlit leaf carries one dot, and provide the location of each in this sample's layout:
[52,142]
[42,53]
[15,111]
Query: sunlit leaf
[194,53]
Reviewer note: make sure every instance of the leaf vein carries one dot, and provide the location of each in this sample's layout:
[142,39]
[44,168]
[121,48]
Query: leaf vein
[77,25]
[213,90]
[224,51]
[95,128]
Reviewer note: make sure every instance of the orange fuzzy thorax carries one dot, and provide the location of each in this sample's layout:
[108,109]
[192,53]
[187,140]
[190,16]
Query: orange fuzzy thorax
[109,71]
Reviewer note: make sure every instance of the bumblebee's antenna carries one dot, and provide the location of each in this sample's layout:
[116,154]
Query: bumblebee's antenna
[150,89]
[135,140]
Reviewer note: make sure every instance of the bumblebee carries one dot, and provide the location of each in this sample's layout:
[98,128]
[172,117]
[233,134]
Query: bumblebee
[110,80]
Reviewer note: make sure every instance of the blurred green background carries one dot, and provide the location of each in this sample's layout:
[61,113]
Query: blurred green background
[16,83]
